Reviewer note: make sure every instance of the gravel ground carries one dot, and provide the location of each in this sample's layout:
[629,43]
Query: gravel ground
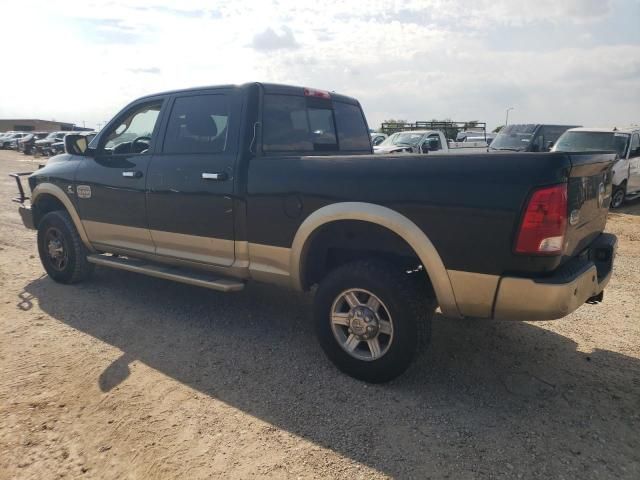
[133,377]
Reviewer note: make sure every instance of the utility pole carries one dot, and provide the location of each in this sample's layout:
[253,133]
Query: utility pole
[506,120]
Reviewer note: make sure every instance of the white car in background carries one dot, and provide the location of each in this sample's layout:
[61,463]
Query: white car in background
[625,142]
[426,141]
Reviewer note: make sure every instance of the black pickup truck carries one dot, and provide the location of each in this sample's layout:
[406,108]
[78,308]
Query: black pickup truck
[221,185]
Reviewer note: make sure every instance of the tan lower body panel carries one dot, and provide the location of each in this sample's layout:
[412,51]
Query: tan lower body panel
[131,238]
[270,264]
[238,259]
[474,292]
[194,247]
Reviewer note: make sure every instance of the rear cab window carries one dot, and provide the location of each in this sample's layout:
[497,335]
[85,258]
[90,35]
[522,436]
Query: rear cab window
[296,123]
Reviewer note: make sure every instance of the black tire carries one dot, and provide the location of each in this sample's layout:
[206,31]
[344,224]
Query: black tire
[57,228]
[410,307]
[617,196]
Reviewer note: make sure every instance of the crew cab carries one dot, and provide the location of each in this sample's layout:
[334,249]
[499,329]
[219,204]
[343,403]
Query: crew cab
[220,186]
[624,142]
[425,141]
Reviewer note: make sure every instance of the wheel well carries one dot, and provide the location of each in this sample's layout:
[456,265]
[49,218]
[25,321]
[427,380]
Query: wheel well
[343,241]
[45,203]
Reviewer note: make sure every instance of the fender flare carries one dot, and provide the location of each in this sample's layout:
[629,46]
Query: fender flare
[385,217]
[58,193]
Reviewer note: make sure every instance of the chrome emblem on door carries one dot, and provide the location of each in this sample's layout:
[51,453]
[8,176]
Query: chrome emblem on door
[83,191]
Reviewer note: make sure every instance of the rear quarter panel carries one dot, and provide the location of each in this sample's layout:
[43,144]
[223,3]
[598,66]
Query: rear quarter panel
[468,205]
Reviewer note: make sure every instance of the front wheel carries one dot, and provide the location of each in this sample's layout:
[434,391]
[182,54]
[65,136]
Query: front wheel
[617,197]
[62,253]
[370,319]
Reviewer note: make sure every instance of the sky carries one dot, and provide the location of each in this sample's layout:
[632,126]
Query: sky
[553,61]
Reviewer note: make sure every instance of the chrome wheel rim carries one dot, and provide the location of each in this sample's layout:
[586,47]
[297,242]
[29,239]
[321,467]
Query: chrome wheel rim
[361,324]
[56,253]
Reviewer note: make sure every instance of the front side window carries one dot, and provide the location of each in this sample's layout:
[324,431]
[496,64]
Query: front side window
[198,124]
[133,133]
[433,142]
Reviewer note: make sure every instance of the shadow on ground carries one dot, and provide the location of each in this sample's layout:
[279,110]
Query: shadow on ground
[484,392]
[629,208]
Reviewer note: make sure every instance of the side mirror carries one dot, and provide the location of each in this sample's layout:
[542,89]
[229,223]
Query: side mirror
[548,145]
[75,144]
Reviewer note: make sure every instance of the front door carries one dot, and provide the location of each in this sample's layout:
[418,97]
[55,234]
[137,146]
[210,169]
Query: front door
[190,181]
[110,186]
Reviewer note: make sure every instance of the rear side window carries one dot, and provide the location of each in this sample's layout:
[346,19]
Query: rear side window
[352,130]
[301,124]
[198,124]
[290,124]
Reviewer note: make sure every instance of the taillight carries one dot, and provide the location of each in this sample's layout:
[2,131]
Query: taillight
[310,92]
[544,222]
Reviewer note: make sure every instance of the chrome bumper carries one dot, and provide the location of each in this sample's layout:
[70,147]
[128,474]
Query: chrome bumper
[582,279]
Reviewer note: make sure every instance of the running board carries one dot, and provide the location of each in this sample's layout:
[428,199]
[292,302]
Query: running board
[169,273]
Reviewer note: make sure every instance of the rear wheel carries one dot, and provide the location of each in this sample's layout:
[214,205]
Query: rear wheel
[62,253]
[370,319]
[617,197]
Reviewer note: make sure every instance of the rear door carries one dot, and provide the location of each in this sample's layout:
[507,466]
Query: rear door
[190,186]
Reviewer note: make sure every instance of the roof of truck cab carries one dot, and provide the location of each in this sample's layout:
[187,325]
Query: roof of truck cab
[604,130]
[274,88]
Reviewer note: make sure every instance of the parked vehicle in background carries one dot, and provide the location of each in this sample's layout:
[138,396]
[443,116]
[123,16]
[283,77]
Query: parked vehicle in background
[624,142]
[219,186]
[59,147]
[26,144]
[378,138]
[481,139]
[528,137]
[45,146]
[10,141]
[426,141]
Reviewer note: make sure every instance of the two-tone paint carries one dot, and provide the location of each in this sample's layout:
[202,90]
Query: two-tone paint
[458,213]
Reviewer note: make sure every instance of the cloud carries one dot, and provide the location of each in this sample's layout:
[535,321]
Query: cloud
[570,61]
[150,70]
[271,40]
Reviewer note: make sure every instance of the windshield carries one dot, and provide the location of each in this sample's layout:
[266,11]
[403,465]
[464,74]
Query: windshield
[402,138]
[51,135]
[593,141]
[514,137]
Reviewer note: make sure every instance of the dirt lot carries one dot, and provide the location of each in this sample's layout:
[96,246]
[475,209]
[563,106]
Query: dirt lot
[133,377]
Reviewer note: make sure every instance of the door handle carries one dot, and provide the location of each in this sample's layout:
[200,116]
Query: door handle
[215,176]
[132,174]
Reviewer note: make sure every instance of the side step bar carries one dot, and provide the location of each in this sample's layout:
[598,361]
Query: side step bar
[169,273]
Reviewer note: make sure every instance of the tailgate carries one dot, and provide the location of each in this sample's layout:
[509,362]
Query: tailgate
[589,194]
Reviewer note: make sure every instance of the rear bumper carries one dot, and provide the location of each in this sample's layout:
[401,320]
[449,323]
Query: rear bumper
[557,296]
